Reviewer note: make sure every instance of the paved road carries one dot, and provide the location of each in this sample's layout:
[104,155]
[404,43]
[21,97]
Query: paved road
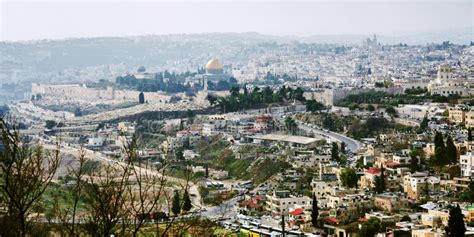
[278,112]
[351,144]
[224,210]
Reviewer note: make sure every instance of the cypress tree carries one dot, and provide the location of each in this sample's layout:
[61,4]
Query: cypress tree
[451,151]
[176,205]
[440,150]
[414,164]
[314,212]
[424,123]
[469,134]
[382,179]
[343,147]
[438,140]
[335,152]
[440,156]
[456,225]
[186,202]
[141,98]
[380,182]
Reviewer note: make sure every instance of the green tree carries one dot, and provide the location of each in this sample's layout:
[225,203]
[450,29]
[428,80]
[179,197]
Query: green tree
[349,178]
[25,173]
[379,84]
[440,150]
[469,195]
[440,156]
[246,91]
[77,112]
[212,99]
[290,125]
[456,226]
[314,212]
[370,228]
[187,205]
[438,140]
[50,124]
[141,98]
[424,123]
[380,182]
[405,218]
[469,134]
[391,111]
[360,162]
[370,108]
[298,94]
[414,166]
[190,113]
[353,106]
[343,147]
[313,105]
[451,151]
[234,91]
[180,153]
[176,204]
[335,152]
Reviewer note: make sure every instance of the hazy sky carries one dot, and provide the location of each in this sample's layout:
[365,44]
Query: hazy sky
[26,20]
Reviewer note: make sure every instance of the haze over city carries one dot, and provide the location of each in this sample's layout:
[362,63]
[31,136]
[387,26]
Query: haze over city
[32,20]
[237,118]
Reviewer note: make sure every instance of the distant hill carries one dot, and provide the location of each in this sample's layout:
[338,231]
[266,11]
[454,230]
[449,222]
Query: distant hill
[106,57]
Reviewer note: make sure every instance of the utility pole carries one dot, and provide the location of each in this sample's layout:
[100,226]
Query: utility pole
[283,224]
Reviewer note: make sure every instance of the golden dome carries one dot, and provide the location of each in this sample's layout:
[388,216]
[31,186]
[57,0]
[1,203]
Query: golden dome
[214,64]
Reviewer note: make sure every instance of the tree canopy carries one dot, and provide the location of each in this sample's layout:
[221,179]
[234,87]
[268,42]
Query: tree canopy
[349,178]
[176,204]
[335,152]
[258,98]
[370,228]
[313,106]
[168,82]
[314,211]
[456,226]
[380,182]
[290,125]
[141,98]
[451,151]
[186,201]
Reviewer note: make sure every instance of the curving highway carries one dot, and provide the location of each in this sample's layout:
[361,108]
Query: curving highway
[351,144]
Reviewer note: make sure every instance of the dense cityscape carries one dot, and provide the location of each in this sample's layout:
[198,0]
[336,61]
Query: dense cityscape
[237,134]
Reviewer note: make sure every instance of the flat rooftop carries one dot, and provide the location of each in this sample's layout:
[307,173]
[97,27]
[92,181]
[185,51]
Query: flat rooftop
[287,138]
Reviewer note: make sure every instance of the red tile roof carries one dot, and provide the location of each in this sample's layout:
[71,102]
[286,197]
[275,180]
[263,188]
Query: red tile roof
[392,164]
[332,220]
[259,198]
[297,212]
[374,171]
[262,118]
